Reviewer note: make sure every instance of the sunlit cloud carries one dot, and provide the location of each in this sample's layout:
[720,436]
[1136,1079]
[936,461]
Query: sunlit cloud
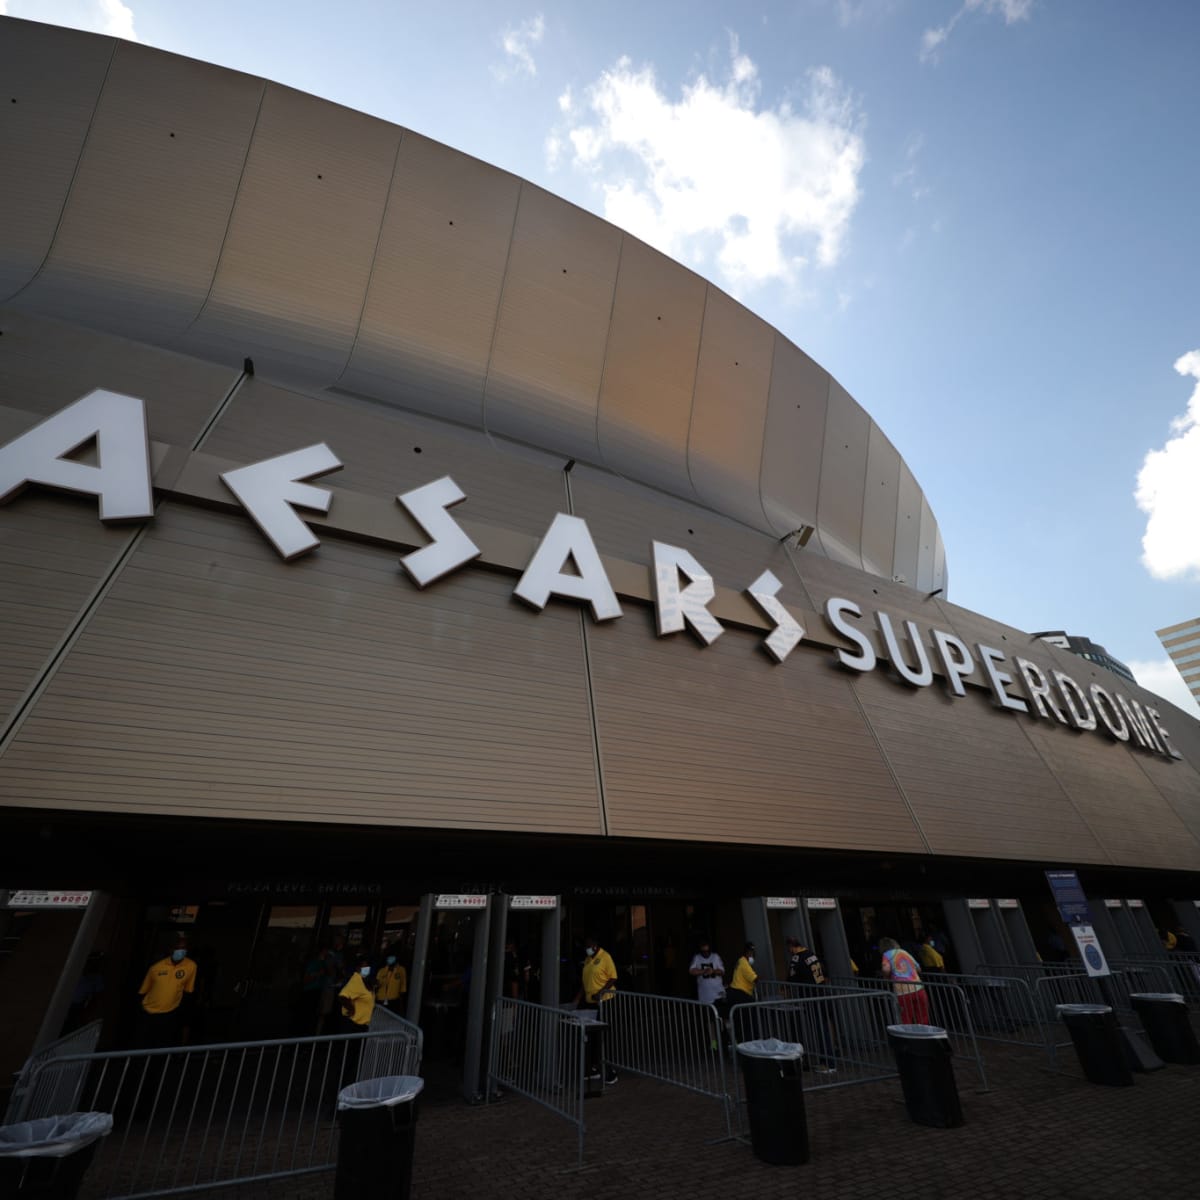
[95,16]
[518,46]
[1158,675]
[1168,491]
[748,191]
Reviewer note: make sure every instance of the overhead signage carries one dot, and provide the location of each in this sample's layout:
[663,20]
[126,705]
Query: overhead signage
[1008,904]
[979,904]
[474,900]
[782,902]
[564,564]
[1094,961]
[821,902]
[1069,898]
[49,899]
[185,914]
[1112,904]
[1136,903]
[523,903]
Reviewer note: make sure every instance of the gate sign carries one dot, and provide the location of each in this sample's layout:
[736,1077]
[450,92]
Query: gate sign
[1136,903]
[1112,904]
[522,903]
[781,902]
[1089,950]
[1008,904]
[461,901]
[979,904]
[821,902]
[1068,896]
[49,899]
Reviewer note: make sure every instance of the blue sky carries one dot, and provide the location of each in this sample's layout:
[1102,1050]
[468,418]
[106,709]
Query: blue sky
[980,215]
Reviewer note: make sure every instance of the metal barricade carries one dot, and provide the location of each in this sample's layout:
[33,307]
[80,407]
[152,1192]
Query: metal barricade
[843,1032]
[57,1092]
[1003,1008]
[1143,975]
[949,1008]
[538,1052]
[196,1117]
[1182,968]
[671,1040]
[394,1055]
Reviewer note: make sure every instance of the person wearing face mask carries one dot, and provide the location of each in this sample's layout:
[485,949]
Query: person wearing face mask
[744,978]
[356,998]
[391,986]
[599,984]
[168,983]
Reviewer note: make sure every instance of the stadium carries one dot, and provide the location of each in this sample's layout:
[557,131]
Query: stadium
[394,551]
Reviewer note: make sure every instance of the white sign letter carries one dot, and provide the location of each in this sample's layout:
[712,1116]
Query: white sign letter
[1042,700]
[788,631]
[122,480]
[990,657]
[268,489]
[676,607]
[568,538]
[1109,715]
[958,665]
[1152,713]
[1078,705]
[835,614]
[922,674]
[449,546]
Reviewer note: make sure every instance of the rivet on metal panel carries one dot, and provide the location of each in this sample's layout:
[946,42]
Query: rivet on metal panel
[320,176]
[172,135]
[416,449]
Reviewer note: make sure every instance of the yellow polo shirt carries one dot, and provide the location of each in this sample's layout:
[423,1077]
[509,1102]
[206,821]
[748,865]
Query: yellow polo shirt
[163,989]
[744,977]
[391,984]
[597,971]
[361,996]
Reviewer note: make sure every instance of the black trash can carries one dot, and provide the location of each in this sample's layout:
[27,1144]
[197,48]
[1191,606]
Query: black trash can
[49,1157]
[1164,1017]
[1097,1038]
[775,1100]
[378,1119]
[926,1064]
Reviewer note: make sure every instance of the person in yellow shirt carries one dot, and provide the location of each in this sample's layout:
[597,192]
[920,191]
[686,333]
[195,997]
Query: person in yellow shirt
[391,985]
[598,985]
[166,985]
[357,999]
[931,958]
[744,977]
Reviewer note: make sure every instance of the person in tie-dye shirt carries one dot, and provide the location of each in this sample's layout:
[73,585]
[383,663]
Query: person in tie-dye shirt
[901,968]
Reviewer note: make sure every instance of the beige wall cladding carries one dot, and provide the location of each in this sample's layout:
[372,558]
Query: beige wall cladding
[53,555]
[293,272]
[650,368]
[793,441]
[543,383]
[386,452]
[729,412]
[940,578]
[46,365]
[926,549]
[1179,785]
[216,680]
[720,745]
[908,528]
[430,314]
[43,132]
[843,477]
[975,782]
[142,230]
[880,497]
[1129,816]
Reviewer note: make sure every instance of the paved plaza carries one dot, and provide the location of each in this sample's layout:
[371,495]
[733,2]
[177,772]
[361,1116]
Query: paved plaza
[1034,1134]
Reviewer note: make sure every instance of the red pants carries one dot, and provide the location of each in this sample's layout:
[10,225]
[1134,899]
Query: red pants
[914,1008]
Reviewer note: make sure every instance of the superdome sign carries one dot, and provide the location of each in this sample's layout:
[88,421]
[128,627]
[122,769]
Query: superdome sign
[564,564]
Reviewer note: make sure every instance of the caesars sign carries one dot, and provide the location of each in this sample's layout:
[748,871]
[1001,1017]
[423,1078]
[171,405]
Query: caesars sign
[565,563]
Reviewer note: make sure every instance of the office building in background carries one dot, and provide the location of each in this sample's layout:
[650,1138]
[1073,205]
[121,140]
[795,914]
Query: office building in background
[1182,644]
[1088,649]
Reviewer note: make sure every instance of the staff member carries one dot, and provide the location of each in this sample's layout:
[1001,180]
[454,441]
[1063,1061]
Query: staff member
[744,978]
[391,986]
[166,984]
[599,984]
[357,999]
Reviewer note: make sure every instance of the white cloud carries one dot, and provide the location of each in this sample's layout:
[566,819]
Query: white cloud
[1158,675]
[718,179]
[1011,10]
[95,16]
[518,45]
[1168,491]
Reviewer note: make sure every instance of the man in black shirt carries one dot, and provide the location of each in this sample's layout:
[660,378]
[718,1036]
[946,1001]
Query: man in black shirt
[805,966]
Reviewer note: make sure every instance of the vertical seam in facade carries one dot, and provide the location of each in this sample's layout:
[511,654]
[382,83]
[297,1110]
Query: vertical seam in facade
[62,212]
[487,370]
[862,523]
[362,309]
[237,191]
[762,447]
[612,308]
[1141,766]
[687,445]
[83,618]
[588,686]
[821,466]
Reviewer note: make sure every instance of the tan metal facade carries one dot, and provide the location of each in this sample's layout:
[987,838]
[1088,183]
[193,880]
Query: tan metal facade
[427,315]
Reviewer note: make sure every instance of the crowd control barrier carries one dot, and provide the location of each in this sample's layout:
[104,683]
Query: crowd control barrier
[36,1094]
[194,1117]
[538,1052]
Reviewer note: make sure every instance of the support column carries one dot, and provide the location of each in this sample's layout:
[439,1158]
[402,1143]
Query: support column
[60,999]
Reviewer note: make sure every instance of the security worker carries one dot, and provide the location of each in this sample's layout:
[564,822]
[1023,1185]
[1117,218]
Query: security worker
[744,977]
[599,984]
[163,990]
[391,985]
[356,998]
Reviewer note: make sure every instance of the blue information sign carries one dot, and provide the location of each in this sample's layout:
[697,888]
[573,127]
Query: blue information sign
[1068,895]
